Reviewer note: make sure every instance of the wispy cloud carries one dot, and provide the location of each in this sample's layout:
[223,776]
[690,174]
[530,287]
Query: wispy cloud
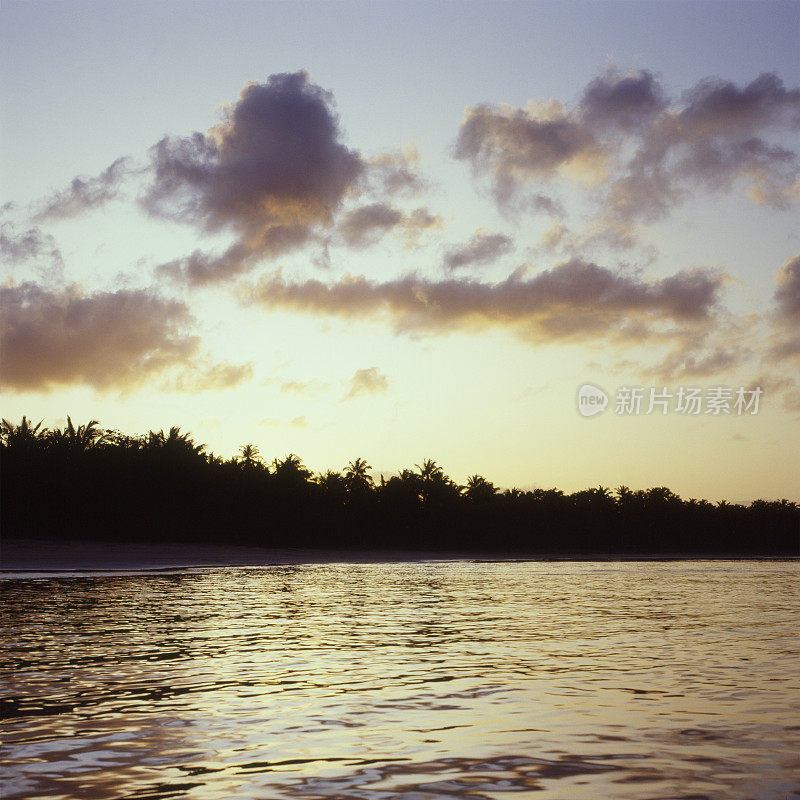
[395,173]
[85,194]
[786,313]
[305,388]
[366,225]
[33,248]
[366,381]
[481,249]
[214,378]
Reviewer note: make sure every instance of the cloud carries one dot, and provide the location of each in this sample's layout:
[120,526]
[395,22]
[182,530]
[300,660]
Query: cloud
[272,422]
[573,301]
[535,203]
[786,314]
[622,102]
[716,138]
[276,174]
[217,377]
[786,347]
[787,293]
[791,400]
[273,172]
[85,194]
[30,245]
[307,388]
[106,340]
[598,234]
[365,225]
[644,153]
[714,106]
[395,172]
[696,357]
[720,359]
[366,381]
[515,145]
[200,268]
[276,157]
[322,260]
[482,248]
[419,221]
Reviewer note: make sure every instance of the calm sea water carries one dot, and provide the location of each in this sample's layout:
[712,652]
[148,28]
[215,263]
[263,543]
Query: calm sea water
[416,681]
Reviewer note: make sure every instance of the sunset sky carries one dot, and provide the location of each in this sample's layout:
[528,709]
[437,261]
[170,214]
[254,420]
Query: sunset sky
[409,230]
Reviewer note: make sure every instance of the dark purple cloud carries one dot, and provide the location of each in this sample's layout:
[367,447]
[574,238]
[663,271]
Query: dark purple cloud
[644,153]
[625,102]
[573,301]
[481,249]
[275,158]
[787,293]
[366,225]
[715,107]
[200,268]
[515,146]
[786,315]
[363,226]
[274,172]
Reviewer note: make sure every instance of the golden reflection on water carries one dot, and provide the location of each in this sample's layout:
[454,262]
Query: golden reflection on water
[419,681]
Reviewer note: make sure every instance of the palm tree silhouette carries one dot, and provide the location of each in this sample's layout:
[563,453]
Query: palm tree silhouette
[291,468]
[333,484]
[357,477]
[196,495]
[478,488]
[430,470]
[174,443]
[249,454]
[436,487]
[79,439]
[22,435]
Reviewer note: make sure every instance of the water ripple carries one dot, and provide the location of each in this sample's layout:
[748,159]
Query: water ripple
[654,681]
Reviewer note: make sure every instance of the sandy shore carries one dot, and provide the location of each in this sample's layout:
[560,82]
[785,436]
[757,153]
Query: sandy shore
[34,555]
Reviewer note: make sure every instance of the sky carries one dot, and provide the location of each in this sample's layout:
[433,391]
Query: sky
[404,230]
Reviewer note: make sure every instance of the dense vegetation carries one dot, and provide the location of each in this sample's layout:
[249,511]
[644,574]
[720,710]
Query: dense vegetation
[86,482]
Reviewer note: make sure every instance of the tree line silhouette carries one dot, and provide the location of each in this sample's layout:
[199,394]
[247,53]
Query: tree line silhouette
[87,482]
